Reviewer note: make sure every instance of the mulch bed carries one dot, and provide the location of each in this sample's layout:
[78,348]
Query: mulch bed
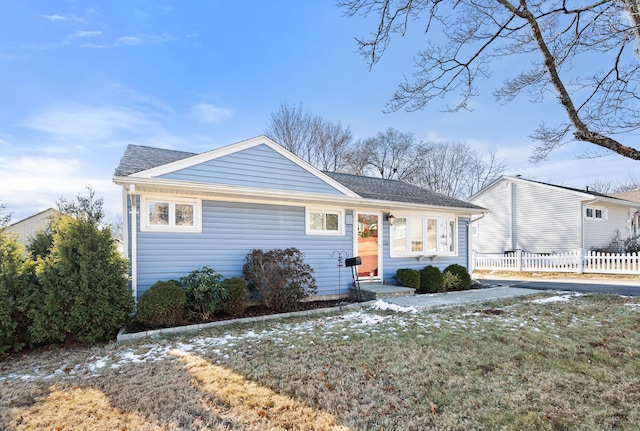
[252,311]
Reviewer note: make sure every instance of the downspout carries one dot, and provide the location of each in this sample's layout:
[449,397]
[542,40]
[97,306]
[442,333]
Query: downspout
[470,260]
[134,242]
[512,193]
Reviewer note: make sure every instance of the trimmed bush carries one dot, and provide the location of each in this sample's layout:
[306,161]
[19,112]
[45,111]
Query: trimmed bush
[84,293]
[162,305]
[450,282]
[205,295]
[408,277]
[280,277]
[431,280]
[236,302]
[462,274]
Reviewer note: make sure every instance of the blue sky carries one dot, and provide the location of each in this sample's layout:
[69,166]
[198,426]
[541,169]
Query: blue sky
[82,79]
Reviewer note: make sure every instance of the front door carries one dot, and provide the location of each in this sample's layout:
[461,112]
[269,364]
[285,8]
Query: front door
[368,245]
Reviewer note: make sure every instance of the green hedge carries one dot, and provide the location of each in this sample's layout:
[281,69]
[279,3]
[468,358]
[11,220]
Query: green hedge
[162,305]
[236,302]
[431,280]
[408,277]
[464,279]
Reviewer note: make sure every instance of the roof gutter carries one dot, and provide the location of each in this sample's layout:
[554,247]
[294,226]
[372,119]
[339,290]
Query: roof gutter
[259,195]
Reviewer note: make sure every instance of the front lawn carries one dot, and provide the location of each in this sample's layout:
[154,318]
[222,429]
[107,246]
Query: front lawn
[558,362]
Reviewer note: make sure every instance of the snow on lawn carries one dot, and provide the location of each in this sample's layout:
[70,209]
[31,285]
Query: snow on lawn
[366,322]
[381,305]
[557,298]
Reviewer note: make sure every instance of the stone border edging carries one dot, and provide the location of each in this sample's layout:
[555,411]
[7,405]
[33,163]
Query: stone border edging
[199,326]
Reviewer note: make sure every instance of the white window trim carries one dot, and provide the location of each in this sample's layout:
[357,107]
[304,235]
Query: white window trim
[594,218]
[424,217]
[307,222]
[145,226]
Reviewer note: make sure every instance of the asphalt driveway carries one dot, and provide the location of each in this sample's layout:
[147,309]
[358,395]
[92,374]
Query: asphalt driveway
[629,287]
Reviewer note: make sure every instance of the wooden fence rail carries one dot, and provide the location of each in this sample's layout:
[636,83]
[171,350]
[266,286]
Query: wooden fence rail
[578,261]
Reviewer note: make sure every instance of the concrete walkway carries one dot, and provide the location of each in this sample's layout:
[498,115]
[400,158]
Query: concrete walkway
[433,300]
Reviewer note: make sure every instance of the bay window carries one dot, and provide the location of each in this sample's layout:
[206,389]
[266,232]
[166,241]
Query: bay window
[426,235]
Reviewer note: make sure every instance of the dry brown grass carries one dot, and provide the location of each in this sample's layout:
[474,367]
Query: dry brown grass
[570,364]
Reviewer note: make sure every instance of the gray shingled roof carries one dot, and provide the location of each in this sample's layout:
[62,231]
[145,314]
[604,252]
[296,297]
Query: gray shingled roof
[397,191]
[138,158]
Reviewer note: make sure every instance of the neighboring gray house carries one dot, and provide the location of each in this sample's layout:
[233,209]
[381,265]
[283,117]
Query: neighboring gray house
[26,229]
[185,210]
[543,218]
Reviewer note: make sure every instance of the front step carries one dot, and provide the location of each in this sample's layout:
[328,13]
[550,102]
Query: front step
[372,291]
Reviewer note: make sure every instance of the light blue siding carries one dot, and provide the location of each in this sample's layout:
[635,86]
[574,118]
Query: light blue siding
[229,231]
[259,166]
[391,265]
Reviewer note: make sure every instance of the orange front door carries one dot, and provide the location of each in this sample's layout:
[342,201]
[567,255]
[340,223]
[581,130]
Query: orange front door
[368,244]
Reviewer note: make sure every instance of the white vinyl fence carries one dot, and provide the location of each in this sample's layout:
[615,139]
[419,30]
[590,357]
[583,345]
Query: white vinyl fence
[578,261]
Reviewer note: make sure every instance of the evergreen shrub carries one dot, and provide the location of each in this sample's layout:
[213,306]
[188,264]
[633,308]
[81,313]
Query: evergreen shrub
[431,280]
[236,302]
[464,279]
[205,294]
[83,293]
[162,305]
[408,277]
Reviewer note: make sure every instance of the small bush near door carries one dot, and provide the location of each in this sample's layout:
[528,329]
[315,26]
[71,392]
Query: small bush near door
[408,277]
[464,279]
[431,280]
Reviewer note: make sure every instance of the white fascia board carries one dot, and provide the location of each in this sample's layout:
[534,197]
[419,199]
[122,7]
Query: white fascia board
[237,147]
[209,191]
[611,201]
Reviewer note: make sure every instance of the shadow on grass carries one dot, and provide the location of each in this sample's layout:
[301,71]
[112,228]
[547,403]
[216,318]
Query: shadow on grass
[186,393]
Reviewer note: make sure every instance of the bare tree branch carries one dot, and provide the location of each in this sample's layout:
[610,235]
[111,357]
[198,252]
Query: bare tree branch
[601,97]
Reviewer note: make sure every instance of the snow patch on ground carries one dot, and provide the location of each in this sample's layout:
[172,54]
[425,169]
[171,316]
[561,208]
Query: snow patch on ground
[557,298]
[382,305]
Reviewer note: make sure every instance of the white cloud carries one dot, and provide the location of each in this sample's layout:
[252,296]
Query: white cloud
[54,17]
[32,184]
[210,114]
[59,18]
[85,34]
[90,124]
[142,39]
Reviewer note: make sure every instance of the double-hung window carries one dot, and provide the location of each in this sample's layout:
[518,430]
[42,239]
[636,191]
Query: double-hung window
[595,213]
[324,222]
[161,214]
[423,235]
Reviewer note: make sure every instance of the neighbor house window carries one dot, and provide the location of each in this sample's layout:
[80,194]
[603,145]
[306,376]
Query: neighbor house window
[324,222]
[423,236]
[595,213]
[170,215]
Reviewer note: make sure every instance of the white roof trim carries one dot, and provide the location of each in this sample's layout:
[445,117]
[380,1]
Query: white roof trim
[237,147]
[209,191]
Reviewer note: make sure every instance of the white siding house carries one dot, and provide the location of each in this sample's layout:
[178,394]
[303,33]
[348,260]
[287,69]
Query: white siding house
[543,218]
[26,229]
